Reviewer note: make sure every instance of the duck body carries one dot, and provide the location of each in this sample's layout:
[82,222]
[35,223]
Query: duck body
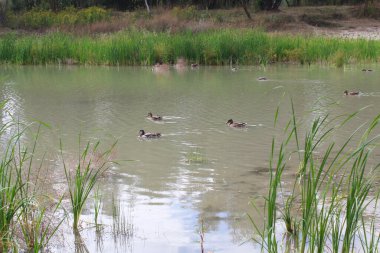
[154,117]
[231,123]
[262,78]
[142,134]
[180,64]
[194,65]
[351,93]
[160,67]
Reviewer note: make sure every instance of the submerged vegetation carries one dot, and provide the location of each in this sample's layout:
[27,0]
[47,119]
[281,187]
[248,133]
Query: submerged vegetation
[210,48]
[195,156]
[329,208]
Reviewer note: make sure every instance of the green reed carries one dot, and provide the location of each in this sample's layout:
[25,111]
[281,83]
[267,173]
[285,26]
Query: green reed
[218,47]
[370,239]
[195,156]
[325,209]
[11,184]
[97,207]
[122,228]
[82,176]
[26,220]
[38,227]
[38,223]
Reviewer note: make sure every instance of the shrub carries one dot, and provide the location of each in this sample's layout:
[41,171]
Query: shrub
[39,19]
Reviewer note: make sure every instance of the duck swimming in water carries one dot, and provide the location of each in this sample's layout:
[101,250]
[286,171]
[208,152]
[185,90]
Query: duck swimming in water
[160,67]
[154,117]
[142,134]
[231,123]
[351,93]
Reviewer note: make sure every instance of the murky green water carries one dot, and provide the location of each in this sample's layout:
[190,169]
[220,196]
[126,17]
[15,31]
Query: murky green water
[164,197]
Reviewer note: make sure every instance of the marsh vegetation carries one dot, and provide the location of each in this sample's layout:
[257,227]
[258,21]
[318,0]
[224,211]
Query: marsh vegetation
[225,47]
[333,203]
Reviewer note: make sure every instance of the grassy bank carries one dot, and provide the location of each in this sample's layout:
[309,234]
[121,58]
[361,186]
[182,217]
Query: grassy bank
[209,48]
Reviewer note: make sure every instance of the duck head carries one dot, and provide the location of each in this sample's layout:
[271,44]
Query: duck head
[345,92]
[150,114]
[141,132]
[229,122]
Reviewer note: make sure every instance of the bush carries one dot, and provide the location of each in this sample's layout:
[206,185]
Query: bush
[188,13]
[37,18]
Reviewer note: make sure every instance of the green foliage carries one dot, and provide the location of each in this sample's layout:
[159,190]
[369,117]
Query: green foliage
[21,205]
[38,227]
[218,47]
[187,13]
[39,18]
[195,157]
[97,207]
[339,59]
[90,167]
[315,215]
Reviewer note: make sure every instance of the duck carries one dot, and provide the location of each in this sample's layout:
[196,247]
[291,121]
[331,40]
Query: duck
[194,65]
[160,67]
[180,64]
[366,70]
[142,134]
[231,123]
[262,78]
[154,117]
[351,93]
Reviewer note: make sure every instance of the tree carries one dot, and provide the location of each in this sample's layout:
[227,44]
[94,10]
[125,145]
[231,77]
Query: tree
[244,4]
[269,5]
[2,11]
[147,6]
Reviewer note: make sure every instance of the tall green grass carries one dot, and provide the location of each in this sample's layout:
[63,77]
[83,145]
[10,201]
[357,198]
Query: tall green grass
[27,222]
[97,207]
[218,47]
[11,185]
[82,176]
[333,188]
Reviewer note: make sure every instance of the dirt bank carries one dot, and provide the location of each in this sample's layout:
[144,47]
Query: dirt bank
[337,21]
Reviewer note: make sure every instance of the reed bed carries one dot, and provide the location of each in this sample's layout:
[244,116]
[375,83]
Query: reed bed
[28,218]
[219,47]
[327,209]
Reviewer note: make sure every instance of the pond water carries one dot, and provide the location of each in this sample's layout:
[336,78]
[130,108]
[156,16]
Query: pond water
[200,170]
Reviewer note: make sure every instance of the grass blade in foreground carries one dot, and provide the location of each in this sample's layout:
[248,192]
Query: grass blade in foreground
[90,166]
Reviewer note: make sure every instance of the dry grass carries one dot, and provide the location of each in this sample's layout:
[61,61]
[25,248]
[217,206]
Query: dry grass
[325,20]
[100,27]
[371,11]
